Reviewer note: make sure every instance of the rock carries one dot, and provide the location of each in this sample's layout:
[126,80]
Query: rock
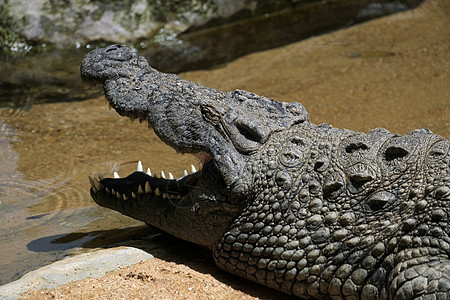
[82,20]
[77,22]
[92,264]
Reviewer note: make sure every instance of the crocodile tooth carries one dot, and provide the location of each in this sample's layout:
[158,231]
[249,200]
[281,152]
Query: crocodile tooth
[155,175]
[148,188]
[91,181]
[113,192]
[157,193]
[116,175]
[140,189]
[133,195]
[178,197]
[186,173]
[193,170]
[97,184]
[107,190]
[101,177]
[125,197]
[118,195]
[171,176]
[149,172]
[163,175]
[164,195]
[139,167]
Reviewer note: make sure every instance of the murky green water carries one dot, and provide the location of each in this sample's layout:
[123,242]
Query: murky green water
[47,151]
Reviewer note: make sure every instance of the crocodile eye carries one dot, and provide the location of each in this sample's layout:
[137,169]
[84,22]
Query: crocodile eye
[210,114]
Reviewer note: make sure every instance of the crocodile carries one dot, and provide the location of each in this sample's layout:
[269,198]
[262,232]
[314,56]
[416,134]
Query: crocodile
[310,210]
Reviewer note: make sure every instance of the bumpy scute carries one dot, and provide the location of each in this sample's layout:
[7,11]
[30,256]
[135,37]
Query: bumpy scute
[337,214]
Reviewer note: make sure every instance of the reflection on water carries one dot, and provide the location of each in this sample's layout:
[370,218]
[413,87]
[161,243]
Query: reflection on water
[392,73]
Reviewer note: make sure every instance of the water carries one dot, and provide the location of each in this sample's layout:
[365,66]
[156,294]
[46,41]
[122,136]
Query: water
[47,154]
[398,78]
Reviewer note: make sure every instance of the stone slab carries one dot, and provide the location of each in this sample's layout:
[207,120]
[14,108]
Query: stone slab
[92,264]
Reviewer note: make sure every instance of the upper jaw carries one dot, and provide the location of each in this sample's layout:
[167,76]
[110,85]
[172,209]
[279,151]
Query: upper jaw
[137,91]
[189,117]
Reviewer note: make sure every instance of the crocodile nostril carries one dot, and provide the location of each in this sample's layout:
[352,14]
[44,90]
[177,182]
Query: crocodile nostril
[112,48]
[118,53]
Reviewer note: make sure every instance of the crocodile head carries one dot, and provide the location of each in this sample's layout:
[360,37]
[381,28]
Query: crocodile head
[222,129]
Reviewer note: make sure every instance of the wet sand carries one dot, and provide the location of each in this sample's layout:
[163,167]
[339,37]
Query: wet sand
[393,72]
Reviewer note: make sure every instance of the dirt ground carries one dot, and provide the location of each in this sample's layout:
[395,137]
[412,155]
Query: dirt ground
[392,72]
[158,279]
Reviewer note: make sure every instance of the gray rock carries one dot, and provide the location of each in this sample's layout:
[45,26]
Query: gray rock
[82,20]
[92,264]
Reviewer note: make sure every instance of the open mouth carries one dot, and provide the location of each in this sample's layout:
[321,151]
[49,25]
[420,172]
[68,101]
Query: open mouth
[144,183]
[141,182]
[194,207]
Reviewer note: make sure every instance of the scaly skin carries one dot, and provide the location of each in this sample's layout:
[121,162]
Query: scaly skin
[313,211]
